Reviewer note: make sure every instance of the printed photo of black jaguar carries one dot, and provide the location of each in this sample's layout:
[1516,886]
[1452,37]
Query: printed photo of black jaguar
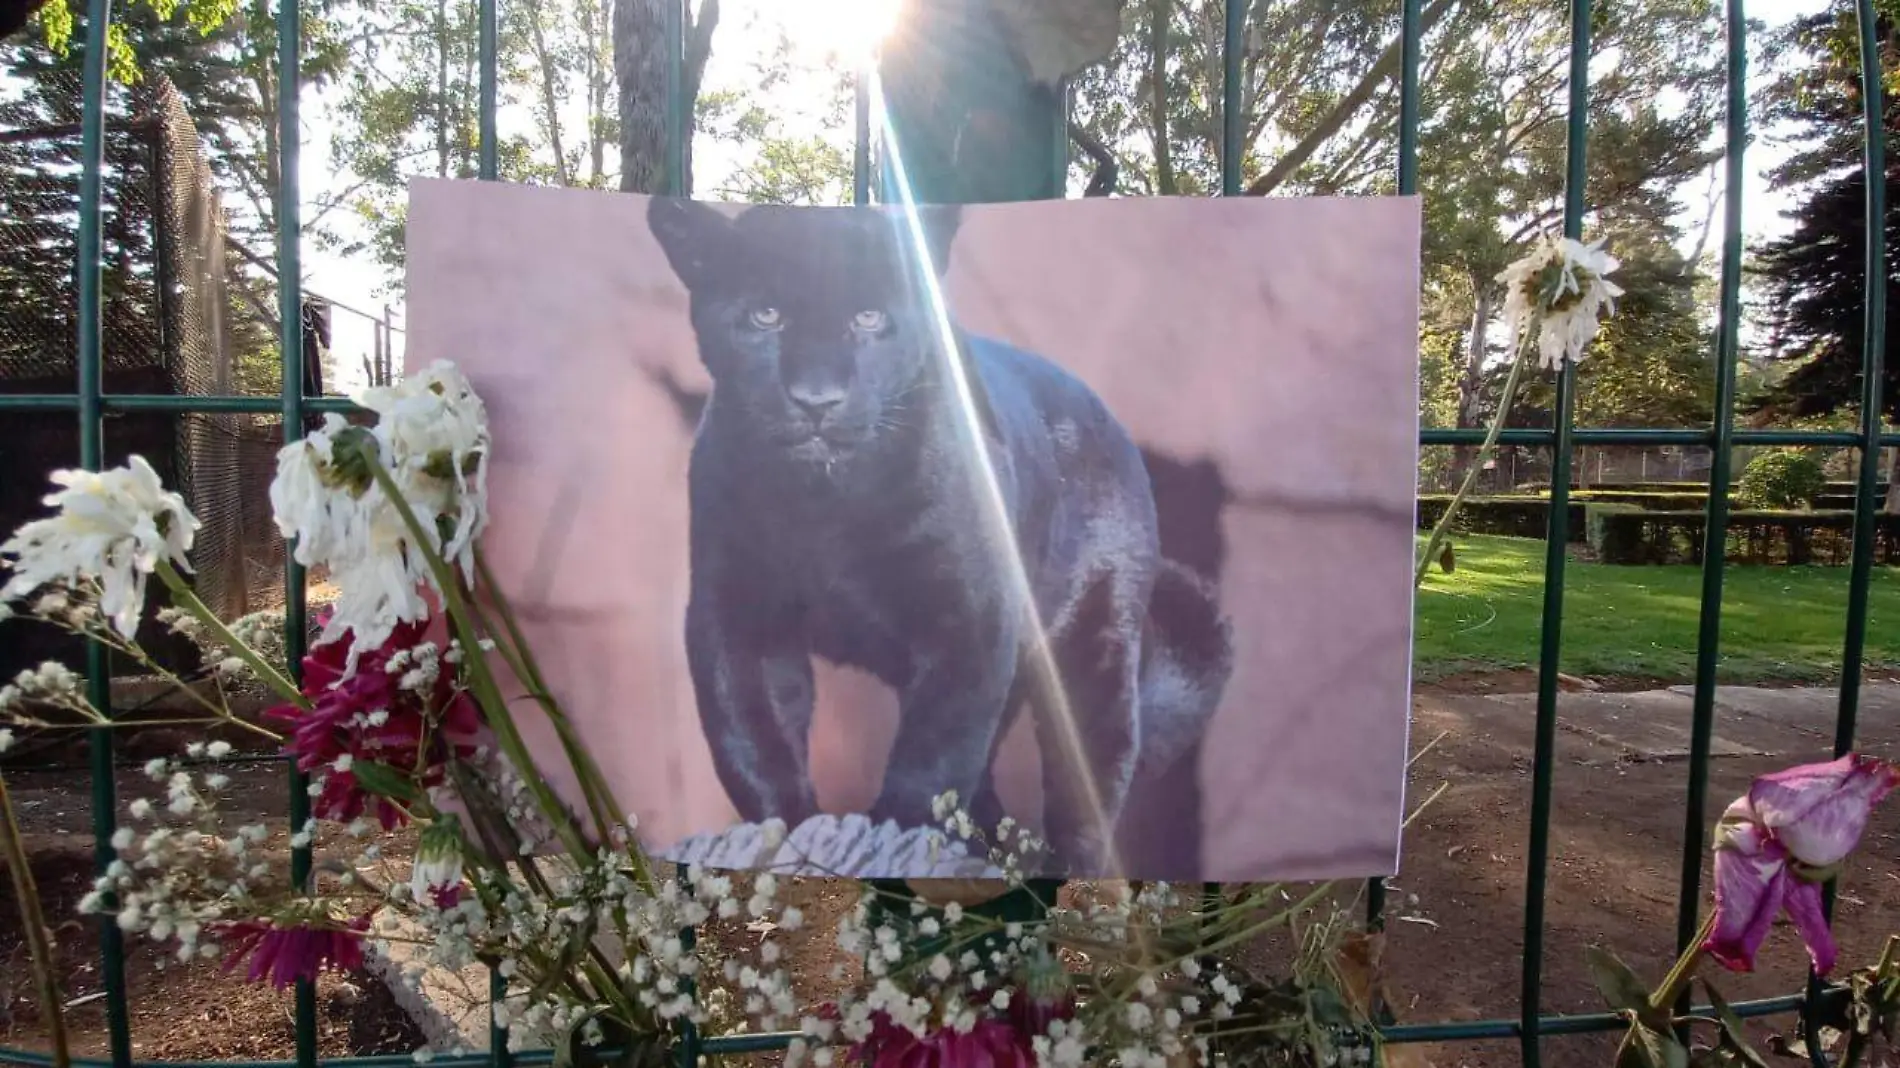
[965,521]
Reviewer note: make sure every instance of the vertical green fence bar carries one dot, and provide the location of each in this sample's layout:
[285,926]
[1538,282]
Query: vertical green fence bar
[1715,542]
[1411,43]
[676,107]
[488,168]
[1411,46]
[1232,122]
[89,365]
[1555,556]
[1873,359]
[290,325]
[1872,369]
[488,161]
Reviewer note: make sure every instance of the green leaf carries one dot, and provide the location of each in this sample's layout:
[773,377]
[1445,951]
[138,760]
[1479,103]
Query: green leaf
[1616,982]
[1734,1037]
[384,781]
[1661,1049]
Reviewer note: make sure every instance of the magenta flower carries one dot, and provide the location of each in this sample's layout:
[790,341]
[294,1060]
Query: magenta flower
[1775,847]
[368,716]
[992,1043]
[283,955]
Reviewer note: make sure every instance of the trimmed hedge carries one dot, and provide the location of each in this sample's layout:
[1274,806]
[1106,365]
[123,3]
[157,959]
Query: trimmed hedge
[1835,488]
[1512,517]
[1626,534]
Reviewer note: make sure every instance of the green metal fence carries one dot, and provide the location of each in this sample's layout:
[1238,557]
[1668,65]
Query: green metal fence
[90,405]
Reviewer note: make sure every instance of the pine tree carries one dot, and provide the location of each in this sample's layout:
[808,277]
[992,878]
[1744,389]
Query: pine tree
[1813,300]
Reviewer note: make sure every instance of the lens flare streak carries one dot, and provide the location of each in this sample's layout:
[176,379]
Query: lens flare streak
[1061,713]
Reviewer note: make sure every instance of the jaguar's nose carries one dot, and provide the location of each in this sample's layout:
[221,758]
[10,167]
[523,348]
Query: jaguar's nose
[816,400]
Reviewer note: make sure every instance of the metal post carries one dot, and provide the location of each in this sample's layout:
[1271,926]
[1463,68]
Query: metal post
[488,163]
[290,342]
[1873,359]
[1550,652]
[1715,543]
[90,359]
[676,107]
[1233,119]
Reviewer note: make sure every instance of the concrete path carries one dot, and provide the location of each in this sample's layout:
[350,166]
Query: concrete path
[1654,725]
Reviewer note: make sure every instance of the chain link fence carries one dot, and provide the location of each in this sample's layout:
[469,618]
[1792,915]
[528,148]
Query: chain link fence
[181,315]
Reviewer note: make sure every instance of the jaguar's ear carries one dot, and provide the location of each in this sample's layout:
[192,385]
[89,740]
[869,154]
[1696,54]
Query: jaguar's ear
[695,237]
[940,222]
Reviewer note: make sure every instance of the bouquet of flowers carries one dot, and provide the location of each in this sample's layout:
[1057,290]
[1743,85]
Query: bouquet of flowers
[401,717]
[398,719]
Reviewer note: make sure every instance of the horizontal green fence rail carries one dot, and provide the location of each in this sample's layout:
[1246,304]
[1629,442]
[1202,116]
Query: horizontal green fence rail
[90,405]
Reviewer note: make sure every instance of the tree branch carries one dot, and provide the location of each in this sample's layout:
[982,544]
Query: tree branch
[693,72]
[1107,168]
[1381,72]
[550,95]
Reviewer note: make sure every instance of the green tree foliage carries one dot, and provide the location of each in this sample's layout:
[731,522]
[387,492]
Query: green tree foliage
[59,23]
[225,71]
[776,162]
[1320,100]
[1812,302]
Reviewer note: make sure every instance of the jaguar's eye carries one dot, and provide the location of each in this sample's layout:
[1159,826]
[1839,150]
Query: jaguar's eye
[869,321]
[765,318]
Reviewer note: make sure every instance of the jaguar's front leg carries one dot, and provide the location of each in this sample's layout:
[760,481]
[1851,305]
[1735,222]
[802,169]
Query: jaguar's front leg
[948,719]
[752,676]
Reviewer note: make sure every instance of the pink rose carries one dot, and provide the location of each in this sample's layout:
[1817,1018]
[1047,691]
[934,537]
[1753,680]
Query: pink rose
[1775,847]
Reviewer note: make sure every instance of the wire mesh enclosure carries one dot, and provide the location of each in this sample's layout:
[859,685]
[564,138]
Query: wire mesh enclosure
[135,208]
[171,326]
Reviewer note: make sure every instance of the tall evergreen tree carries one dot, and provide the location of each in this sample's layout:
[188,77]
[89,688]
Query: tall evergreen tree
[1812,303]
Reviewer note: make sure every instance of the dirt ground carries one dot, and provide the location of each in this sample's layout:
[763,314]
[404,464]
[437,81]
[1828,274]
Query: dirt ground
[1454,949]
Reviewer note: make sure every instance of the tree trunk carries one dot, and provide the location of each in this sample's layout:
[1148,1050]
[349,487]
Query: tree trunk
[550,94]
[1383,69]
[698,50]
[1893,482]
[1159,12]
[640,66]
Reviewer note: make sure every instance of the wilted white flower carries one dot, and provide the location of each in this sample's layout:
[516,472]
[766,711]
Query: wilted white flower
[432,438]
[433,425]
[6,740]
[112,526]
[1563,287]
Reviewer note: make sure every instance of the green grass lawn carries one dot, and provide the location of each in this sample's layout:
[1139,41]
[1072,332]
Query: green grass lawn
[1777,622]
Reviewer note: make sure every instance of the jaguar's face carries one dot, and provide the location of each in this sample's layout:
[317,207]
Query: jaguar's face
[816,325]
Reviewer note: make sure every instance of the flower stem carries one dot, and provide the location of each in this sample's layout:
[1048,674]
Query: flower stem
[33,923]
[501,720]
[520,658]
[1681,972]
[1442,529]
[187,598]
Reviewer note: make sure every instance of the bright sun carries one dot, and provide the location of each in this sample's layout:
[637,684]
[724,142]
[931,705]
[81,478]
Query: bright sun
[852,30]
